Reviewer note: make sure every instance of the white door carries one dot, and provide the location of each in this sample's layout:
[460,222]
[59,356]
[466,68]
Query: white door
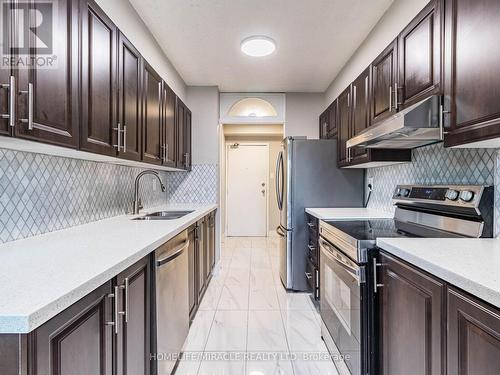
[246,189]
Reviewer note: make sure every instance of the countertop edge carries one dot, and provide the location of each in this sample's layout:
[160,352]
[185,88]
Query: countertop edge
[456,280]
[23,324]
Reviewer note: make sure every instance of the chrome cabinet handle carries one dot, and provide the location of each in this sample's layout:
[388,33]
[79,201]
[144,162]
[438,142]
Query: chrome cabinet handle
[308,275]
[375,284]
[442,112]
[311,247]
[124,138]
[311,225]
[11,86]
[114,323]
[29,120]
[396,104]
[125,288]
[390,98]
[119,131]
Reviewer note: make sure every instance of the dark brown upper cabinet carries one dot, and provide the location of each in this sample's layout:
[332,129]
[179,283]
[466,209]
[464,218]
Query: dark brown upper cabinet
[328,122]
[78,340]
[183,119]
[100,131]
[8,92]
[473,336]
[134,336]
[169,142]
[152,116]
[324,124]
[47,95]
[129,99]
[383,84]
[360,106]
[344,125]
[412,320]
[419,47]
[472,82]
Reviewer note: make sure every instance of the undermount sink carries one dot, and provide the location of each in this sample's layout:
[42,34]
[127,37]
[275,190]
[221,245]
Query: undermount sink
[163,215]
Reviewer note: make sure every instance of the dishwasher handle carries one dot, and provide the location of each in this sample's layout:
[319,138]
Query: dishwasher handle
[178,251]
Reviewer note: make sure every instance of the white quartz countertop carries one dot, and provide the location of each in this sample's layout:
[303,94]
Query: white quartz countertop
[43,275]
[348,213]
[469,264]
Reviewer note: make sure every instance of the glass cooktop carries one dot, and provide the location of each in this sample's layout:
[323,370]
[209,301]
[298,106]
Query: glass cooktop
[369,230]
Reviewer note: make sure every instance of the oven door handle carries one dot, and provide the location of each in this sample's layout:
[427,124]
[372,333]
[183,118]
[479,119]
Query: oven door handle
[330,254]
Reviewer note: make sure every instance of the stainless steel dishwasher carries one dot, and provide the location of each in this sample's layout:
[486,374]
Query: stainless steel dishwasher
[172,305]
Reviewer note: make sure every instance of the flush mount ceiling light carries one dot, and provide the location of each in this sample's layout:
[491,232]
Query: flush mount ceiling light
[258,46]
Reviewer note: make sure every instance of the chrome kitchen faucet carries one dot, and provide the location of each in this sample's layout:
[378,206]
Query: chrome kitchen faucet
[137,202]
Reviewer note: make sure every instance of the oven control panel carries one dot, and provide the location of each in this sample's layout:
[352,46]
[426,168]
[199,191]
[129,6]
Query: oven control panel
[454,195]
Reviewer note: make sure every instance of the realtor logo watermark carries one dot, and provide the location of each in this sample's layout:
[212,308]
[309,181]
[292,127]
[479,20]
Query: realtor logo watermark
[28,34]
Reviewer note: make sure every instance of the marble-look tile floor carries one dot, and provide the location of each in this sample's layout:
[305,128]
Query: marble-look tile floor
[248,324]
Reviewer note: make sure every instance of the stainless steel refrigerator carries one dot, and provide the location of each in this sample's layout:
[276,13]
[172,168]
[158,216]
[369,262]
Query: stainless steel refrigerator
[307,176]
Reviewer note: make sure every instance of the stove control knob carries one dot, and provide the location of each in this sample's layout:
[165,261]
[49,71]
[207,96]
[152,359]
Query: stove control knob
[452,195]
[466,195]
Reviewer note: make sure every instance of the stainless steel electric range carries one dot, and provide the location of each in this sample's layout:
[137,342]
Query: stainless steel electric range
[348,265]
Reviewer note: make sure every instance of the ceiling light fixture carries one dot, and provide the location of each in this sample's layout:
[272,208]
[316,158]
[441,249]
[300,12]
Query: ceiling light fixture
[258,46]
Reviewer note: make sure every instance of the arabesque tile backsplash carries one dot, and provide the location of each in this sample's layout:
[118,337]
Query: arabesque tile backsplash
[438,165]
[41,193]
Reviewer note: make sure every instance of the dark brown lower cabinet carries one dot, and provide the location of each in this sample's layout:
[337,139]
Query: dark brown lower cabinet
[77,340]
[193,277]
[134,334]
[412,321]
[201,255]
[473,336]
[201,260]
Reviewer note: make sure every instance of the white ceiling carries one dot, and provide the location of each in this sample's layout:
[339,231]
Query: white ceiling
[314,39]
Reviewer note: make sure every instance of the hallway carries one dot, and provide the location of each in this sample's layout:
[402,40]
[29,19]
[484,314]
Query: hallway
[248,324]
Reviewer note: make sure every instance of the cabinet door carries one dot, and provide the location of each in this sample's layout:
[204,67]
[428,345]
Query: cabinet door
[99,128]
[129,99]
[169,133]
[6,78]
[180,115]
[412,321]
[344,118]
[211,241]
[208,240]
[48,93]
[360,105]
[419,47]
[332,120]
[188,140]
[383,84]
[192,272]
[324,124]
[473,336]
[133,339]
[201,252]
[78,340]
[472,82]
[152,116]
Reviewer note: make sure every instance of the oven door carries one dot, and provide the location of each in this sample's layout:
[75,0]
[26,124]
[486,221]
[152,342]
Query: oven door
[342,289]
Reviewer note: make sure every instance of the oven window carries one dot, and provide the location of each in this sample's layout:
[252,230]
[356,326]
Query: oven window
[338,297]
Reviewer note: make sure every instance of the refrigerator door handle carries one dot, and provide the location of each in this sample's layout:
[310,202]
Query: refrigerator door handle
[279,177]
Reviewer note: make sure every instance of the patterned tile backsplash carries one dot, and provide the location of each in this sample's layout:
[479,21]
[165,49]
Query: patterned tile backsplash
[198,186]
[438,165]
[41,193]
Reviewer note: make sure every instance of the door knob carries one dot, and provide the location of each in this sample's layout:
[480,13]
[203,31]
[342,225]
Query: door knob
[263,184]
[263,191]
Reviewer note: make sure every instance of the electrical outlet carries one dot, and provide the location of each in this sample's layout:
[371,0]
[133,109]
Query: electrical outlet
[369,181]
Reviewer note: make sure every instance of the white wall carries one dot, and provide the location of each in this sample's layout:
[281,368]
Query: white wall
[399,14]
[128,21]
[203,101]
[302,111]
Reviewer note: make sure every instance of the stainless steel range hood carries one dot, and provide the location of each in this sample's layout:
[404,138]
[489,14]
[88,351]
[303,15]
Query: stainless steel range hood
[415,126]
